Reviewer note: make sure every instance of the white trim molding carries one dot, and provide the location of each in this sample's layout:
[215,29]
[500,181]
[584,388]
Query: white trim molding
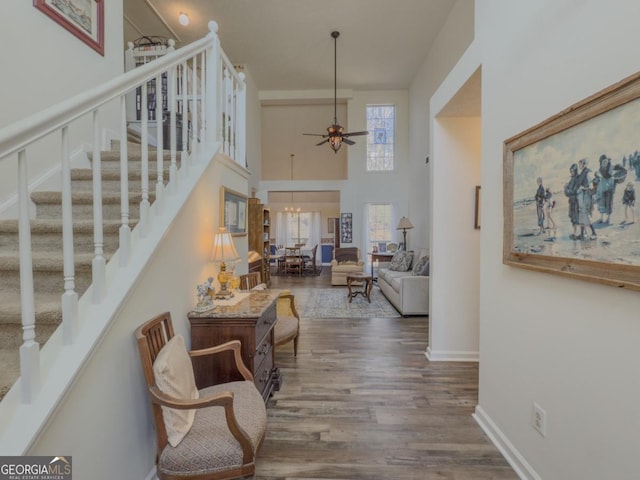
[451,356]
[502,443]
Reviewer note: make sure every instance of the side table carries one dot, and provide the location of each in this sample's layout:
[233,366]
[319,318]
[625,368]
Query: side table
[366,280]
[251,321]
[384,257]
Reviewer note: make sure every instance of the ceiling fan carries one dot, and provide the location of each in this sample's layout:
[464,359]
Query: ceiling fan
[336,135]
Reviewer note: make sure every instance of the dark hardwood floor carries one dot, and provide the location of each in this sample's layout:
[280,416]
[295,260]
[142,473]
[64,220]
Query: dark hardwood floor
[361,401]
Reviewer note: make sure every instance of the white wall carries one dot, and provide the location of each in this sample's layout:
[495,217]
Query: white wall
[454,37]
[455,243]
[569,345]
[44,64]
[254,136]
[106,415]
[377,187]
[360,187]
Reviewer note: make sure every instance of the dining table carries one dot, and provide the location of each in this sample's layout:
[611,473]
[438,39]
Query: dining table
[305,251]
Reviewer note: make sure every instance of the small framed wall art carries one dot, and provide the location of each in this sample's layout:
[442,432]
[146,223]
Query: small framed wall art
[233,211]
[83,18]
[346,227]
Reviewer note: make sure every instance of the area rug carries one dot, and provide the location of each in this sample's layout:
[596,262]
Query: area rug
[334,303]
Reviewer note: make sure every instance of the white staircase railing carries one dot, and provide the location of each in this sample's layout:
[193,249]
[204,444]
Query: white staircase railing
[216,100]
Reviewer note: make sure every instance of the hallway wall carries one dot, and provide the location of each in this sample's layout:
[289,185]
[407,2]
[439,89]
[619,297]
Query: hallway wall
[569,345]
[455,243]
[44,64]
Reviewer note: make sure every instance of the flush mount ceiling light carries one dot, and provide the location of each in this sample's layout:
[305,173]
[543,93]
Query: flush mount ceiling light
[183,18]
[335,133]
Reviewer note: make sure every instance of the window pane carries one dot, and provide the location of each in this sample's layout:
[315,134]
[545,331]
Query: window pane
[381,138]
[299,226]
[379,224]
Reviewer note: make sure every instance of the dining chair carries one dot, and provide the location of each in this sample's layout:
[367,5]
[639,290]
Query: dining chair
[250,280]
[293,262]
[310,260]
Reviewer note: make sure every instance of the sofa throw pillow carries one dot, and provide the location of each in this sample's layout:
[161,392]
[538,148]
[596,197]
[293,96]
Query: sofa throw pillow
[401,261]
[425,270]
[421,265]
[174,376]
[346,256]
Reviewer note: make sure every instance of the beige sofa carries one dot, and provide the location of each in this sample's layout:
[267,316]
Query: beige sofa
[345,261]
[407,292]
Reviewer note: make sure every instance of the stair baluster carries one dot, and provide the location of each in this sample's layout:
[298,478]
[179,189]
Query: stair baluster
[185,120]
[125,230]
[159,203]
[70,296]
[98,264]
[143,224]
[194,106]
[29,350]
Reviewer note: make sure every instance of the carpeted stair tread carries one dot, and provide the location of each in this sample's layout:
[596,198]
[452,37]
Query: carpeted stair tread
[51,225]
[47,251]
[47,310]
[84,197]
[112,174]
[46,261]
[134,156]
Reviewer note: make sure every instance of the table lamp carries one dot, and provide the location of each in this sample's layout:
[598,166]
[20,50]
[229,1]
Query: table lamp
[224,251]
[404,225]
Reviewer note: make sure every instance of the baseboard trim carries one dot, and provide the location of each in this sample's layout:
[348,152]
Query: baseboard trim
[502,443]
[451,356]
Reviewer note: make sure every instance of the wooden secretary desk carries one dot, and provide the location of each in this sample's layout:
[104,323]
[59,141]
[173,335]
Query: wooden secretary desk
[250,320]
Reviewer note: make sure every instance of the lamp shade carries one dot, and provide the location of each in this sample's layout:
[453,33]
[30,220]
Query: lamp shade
[223,248]
[405,224]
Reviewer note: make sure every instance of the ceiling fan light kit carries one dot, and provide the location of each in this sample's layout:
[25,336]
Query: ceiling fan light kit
[336,135]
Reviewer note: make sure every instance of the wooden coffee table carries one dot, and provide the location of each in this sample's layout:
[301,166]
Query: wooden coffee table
[366,280]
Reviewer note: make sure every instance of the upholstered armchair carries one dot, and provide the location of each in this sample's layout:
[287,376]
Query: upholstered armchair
[345,262]
[208,434]
[288,324]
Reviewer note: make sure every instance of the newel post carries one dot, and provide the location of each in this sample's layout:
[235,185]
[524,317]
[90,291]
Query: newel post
[212,86]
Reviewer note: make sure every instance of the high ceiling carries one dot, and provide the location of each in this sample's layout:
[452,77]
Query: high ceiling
[287,44]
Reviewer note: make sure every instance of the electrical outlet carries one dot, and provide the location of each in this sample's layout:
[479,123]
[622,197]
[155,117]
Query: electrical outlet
[539,419]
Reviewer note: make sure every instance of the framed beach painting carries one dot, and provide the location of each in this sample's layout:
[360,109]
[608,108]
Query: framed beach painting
[83,18]
[233,212]
[570,190]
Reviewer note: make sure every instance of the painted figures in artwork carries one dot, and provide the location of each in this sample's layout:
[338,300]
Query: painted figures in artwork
[588,194]
[539,198]
[629,202]
[585,201]
[608,177]
[571,191]
[549,205]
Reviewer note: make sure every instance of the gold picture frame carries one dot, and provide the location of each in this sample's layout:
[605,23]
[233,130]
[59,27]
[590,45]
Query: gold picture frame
[233,211]
[564,190]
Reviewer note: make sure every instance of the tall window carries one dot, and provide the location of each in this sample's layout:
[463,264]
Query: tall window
[379,224]
[381,138]
[299,226]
